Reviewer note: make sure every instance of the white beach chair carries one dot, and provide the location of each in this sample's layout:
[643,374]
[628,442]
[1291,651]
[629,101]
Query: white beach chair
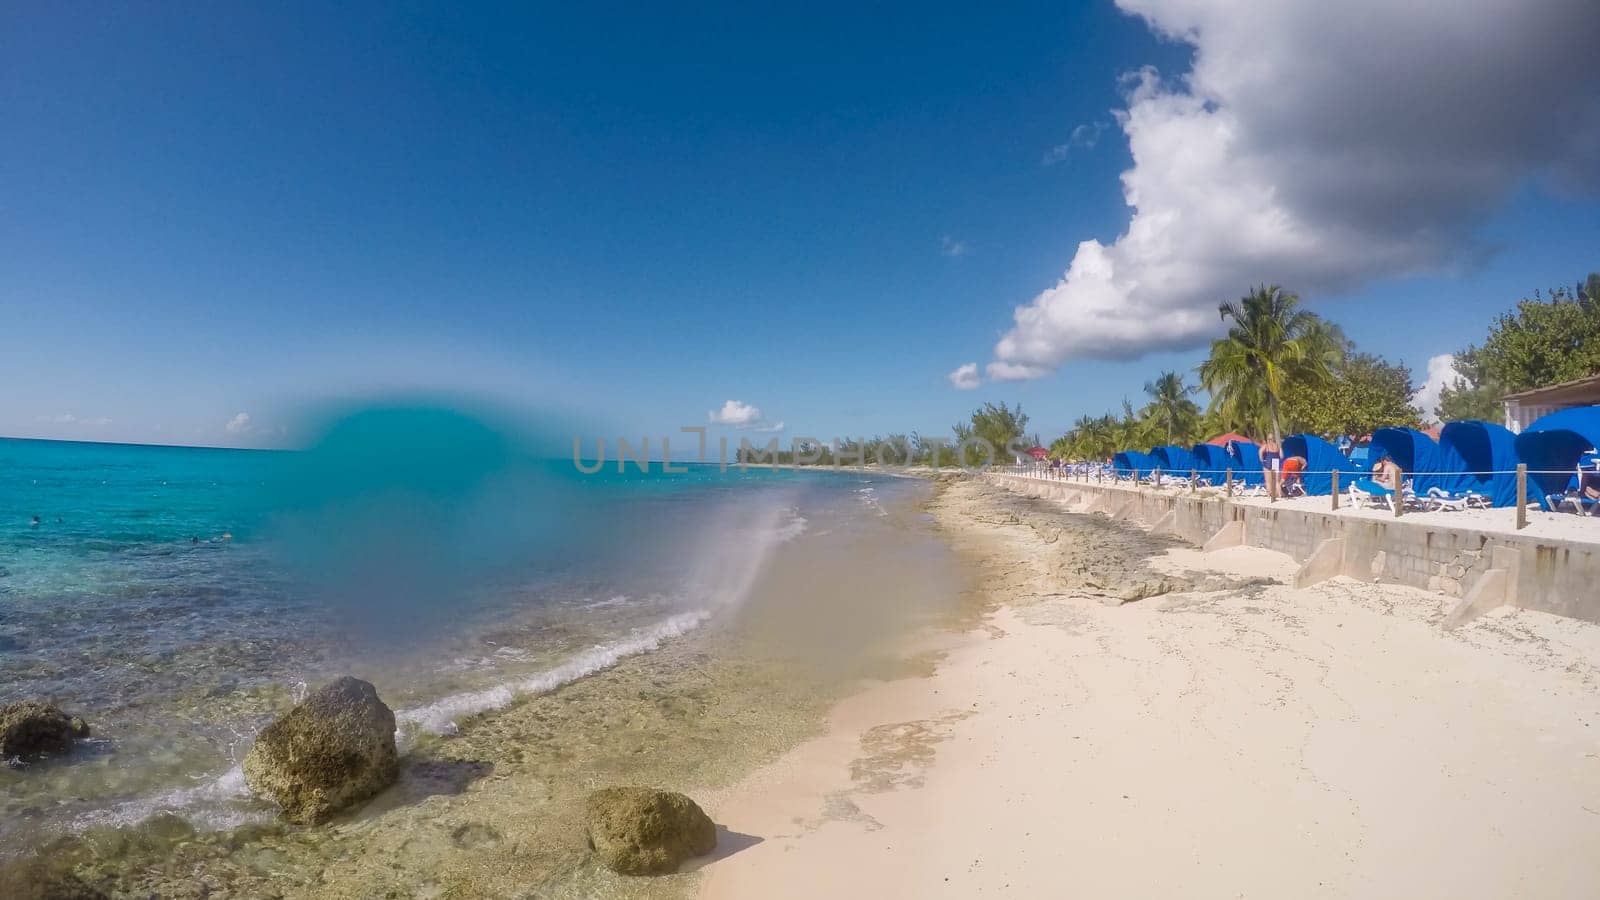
[1439,499]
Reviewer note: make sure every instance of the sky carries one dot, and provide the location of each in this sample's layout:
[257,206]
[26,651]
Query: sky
[830,221]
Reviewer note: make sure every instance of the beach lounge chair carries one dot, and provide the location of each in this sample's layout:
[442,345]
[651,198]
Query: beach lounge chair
[1578,503]
[1441,499]
[1365,490]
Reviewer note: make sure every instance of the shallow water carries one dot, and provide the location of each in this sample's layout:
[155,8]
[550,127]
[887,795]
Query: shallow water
[160,597]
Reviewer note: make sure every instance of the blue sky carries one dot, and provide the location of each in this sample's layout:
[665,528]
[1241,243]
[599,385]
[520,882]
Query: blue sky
[632,214]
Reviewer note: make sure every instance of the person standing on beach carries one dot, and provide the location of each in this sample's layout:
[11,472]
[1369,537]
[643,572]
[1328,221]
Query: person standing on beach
[1271,460]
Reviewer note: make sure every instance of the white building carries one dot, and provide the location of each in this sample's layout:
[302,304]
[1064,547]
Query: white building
[1522,408]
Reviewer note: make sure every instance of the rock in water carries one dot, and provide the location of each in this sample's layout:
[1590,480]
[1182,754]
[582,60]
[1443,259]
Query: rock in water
[41,878]
[331,752]
[29,728]
[640,831]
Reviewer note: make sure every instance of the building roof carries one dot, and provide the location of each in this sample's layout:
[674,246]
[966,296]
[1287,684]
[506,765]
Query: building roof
[1576,392]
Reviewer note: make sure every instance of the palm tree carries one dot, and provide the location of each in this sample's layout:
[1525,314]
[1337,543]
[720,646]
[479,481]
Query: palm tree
[1170,407]
[1271,343]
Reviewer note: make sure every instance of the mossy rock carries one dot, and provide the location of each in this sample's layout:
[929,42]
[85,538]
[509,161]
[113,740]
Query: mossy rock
[30,728]
[327,754]
[641,831]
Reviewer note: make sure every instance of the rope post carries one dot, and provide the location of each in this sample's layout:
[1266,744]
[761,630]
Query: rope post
[1194,479]
[1158,479]
[1399,495]
[1135,477]
[1335,490]
[1522,496]
[1228,477]
[1272,485]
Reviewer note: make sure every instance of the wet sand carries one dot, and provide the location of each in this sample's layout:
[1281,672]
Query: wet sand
[1223,736]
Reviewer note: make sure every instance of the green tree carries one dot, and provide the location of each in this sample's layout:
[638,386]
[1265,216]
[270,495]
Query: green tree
[1271,343]
[1541,342]
[1000,426]
[1170,410]
[1473,395]
[1364,393]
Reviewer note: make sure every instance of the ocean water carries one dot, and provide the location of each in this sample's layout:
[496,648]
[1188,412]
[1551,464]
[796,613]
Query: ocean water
[177,598]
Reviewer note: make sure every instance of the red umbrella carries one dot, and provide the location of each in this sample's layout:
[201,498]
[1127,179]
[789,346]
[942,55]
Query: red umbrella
[1226,439]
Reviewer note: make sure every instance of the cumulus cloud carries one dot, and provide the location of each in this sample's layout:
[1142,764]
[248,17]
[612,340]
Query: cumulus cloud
[239,424]
[965,378]
[735,413]
[951,247]
[1319,146]
[743,415]
[1441,374]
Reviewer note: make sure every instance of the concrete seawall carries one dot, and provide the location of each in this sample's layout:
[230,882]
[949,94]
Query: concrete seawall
[1485,569]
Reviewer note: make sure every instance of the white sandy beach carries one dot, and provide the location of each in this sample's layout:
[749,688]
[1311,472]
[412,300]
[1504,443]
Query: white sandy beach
[1252,742]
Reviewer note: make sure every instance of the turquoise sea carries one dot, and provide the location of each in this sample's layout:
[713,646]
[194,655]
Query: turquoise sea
[176,597]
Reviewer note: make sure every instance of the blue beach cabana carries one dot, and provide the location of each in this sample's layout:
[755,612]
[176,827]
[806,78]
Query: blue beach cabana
[1321,458]
[1245,458]
[1127,461]
[1552,446]
[1471,452]
[1174,460]
[1212,461]
[1415,453]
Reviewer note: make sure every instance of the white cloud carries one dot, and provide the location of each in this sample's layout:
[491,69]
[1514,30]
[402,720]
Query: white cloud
[1084,137]
[1319,146]
[239,424]
[735,413]
[744,415]
[951,247]
[965,378]
[1441,374]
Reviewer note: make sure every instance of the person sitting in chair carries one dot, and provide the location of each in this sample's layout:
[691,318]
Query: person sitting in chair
[1589,490]
[1386,472]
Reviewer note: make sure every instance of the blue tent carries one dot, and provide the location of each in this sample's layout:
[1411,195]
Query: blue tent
[1245,458]
[1321,458]
[1552,446]
[1212,461]
[1469,447]
[1127,461]
[1175,460]
[1415,453]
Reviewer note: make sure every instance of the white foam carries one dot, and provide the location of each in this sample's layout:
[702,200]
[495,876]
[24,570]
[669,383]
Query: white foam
[792,529]
[440,716]
[218,804]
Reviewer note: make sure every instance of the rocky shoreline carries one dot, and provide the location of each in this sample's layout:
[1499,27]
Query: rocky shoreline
[501,807]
